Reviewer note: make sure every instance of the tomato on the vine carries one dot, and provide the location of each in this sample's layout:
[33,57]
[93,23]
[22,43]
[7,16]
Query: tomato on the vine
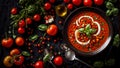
[47,6]
[52,30]
[87,3]
[98,2]
[66,1]
[39,64]
[52,1]
[8,61]
[28,20]
[21,30]
[37,17]
[14,11]
[19,60]
[14,52]
[19,41]
[7,42]
[77,2]
[70,6]
[58,60]
[21,23]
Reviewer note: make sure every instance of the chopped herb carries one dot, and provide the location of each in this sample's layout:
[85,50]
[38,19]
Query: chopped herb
[25,53]
[46,57]
[116,40]
[33,37]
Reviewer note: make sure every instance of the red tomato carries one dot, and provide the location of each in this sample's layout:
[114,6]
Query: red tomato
[21,23]
[70,6]
[14,52]
[87,3]
[52,30]
[14,11]
[7,42]
[39,64]
[28,20]
[19,41]
[19,60]
[37,17]
[58,60]
[47,6]
[21,30]
[52,1]
[66,1]
[77,2]
[98,2]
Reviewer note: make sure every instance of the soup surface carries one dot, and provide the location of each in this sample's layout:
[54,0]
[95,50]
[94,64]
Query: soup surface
[87,31]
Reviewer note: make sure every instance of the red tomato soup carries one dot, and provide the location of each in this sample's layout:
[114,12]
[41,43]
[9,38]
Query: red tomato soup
[87,31]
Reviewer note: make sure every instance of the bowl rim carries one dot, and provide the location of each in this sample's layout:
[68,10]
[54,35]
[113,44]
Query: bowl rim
[93,9]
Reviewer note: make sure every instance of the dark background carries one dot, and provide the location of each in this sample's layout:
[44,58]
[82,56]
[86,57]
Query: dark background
[109,52]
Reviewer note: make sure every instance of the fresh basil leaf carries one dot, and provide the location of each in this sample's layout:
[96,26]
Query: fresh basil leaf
[42,27]
[25,53]
[46,57]
[110,62]
[81,30]
[87,27]
[116,40]
[33,37]
[98,64]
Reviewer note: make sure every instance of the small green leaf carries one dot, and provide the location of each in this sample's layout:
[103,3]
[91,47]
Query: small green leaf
[116,40]
[81,30]
[98,64]
[46,57]
[33,37]
[42,27]
[25,53]
[110,62]
[87,27]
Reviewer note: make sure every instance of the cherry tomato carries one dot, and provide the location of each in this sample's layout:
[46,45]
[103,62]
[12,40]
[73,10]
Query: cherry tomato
[14,52]
[28,20]
[19,41]
[87,3]
[98,2]
[58,60]
[52,1]
[47,6]
[70,6]
[37,17]
[19,60]
[39,64]
[21,30]
[14,11]
[21,23]
[77,2]
[66,1]
[7,42]
[52,30]
[8,61]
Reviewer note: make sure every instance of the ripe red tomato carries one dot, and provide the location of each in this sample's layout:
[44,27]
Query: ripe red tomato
[87,3]
[21,30]
[19,60]
[37,17]
[14,52]
[39,64]
[98,2]
[52,1]
[7,42]
[21,23]
[70,6]
[14,11]
[47,6]
[77,2]
[58,60]
[19,41]
[28,20]
[66,1]
[52,30]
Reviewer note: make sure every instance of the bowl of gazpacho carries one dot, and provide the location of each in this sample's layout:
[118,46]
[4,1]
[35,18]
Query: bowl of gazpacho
[87,31]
